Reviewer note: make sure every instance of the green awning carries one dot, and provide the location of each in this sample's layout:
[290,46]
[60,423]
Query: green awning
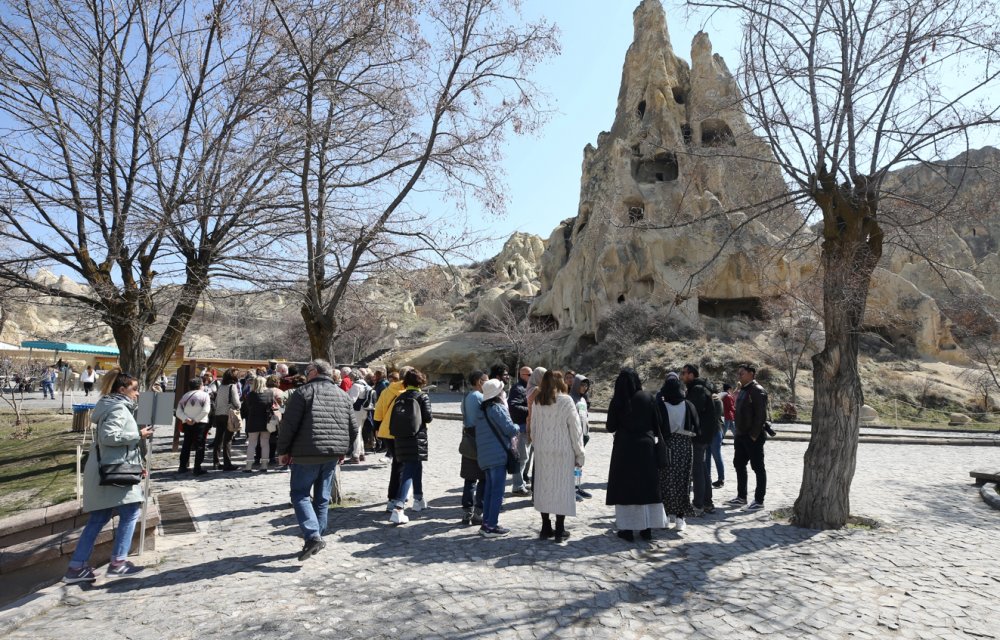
[70,347]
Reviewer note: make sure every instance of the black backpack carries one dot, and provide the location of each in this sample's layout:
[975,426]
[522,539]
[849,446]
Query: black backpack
[405,420]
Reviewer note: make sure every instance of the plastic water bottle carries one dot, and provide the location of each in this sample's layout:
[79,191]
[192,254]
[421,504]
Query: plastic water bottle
[577,475]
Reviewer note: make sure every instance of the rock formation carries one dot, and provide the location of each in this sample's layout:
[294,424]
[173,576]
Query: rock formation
[664,212]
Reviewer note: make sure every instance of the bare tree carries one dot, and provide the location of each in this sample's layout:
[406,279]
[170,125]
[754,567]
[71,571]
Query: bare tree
[519,335]
[387,99]
[134,151]
[845,93]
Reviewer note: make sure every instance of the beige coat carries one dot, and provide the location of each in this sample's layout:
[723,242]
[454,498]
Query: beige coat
[557,439]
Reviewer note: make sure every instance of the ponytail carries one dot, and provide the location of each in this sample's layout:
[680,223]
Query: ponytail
[113,380]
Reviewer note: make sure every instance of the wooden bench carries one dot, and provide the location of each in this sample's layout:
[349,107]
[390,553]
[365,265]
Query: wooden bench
[983,476]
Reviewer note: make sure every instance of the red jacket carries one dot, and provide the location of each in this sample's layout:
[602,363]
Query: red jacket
[346,383]
[728,406]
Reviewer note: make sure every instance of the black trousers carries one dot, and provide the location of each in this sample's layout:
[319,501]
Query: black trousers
[194,438]
[395,470]
[747,450]
[223,441]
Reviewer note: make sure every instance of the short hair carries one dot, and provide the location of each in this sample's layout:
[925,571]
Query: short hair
[475,376]
[345,371]
[282,369]
[414,378]
[258,384]
[194,384]
[726,386]
[394,376]
[498,370]
[231,376]
[748,367]
[273,381]
[404,370]
[690,368]
[379,374]
[322,367]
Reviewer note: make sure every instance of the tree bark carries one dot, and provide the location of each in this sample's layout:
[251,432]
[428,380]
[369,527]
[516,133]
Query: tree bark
[830,459]
[180,318]
[322,332]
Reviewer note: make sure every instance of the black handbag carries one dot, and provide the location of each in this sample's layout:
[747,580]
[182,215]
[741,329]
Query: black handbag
[513,461]
[119,474]
[467,447]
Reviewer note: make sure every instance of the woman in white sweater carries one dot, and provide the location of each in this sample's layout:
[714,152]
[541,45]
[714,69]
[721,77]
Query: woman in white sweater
[194,410]
[557,439]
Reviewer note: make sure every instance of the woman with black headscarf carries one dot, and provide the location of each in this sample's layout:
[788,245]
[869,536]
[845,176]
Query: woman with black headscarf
[680,424]
[633,481]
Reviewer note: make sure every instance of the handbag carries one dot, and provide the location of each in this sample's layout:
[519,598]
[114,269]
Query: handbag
[467,447]
[513,461]
[118,474]
[274,418]
[235,422]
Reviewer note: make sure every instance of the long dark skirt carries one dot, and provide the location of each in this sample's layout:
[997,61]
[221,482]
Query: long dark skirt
[675,479]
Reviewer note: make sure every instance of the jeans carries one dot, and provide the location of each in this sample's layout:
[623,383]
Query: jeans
[753,452]
[128,515]
[730,426]
[700,476]
[311,511]
[523,450]
[47,388]
[720,468]
[472,495]
[194,438]
[412,475]
[496,480]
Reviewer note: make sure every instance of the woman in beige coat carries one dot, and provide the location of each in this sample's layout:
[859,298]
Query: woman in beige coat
[557,439]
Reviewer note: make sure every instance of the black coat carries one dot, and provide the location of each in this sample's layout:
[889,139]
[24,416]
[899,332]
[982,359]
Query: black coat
[414,448]
[517,403]
[256,408]
[700,395]
[318,421]
[633,477]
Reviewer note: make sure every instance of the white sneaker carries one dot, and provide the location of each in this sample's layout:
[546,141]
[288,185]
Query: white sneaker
[681,525]
[419,504]
[398,517]
[671,521]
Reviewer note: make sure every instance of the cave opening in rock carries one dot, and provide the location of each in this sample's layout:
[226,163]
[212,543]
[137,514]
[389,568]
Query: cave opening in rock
[752,308]
[662,168]
[621,299]
[641,110]
[687,133]
[680,95]
[635,214]
[716,133]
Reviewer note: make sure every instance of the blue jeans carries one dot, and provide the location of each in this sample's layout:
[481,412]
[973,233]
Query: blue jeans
[311,511]
[128,515]
[523,451]
[411,475]
[48,389]
[472,495]
[720,469]
[730,426]
[496,481]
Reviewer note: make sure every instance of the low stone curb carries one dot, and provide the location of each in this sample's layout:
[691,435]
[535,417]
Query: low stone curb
[16,613]
[989,493]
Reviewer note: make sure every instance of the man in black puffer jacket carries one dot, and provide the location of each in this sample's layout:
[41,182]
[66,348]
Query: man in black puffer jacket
[700,395]
[317,429]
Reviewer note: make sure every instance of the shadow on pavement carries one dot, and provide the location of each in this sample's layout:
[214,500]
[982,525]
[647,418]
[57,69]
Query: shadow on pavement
[206,571]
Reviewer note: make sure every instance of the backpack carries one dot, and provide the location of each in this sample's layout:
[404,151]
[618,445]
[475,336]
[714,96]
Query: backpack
[365,401]
[405,420]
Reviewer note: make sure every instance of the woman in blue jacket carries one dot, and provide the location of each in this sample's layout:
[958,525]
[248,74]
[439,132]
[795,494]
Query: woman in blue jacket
[494,432]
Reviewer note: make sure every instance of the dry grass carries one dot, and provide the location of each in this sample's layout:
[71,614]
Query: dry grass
[37,465]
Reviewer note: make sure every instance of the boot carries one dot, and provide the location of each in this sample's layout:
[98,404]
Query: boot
[546,531]
[561,533]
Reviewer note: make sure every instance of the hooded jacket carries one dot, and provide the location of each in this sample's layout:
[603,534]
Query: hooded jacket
[383,408]
[582,403]
[117,434]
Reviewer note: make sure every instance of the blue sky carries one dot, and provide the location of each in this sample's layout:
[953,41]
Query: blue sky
[543,172]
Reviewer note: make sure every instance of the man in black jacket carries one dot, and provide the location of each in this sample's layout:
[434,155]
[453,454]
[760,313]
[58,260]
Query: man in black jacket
[749,438]
[316,431]
[517,406]
[700,395]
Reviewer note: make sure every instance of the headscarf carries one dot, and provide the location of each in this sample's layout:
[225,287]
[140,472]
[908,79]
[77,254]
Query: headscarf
[535,378]
[672,389]
[626,385]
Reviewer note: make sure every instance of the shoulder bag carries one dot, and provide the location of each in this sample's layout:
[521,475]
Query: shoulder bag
[119,474]
[513,461]
[235,423]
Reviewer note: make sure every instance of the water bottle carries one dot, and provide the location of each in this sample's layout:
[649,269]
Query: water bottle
[577,475]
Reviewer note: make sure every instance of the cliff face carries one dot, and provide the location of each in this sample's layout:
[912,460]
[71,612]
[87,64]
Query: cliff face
[656,217]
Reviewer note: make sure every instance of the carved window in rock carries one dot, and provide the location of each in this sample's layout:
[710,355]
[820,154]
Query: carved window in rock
[687,133]
[661,168]
[752,308]
[716,133]
[680,95]
[636,213]
[641,110]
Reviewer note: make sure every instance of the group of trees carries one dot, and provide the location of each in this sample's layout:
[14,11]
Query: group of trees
[277,142]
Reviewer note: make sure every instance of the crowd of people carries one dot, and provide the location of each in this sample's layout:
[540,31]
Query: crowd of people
[534,430]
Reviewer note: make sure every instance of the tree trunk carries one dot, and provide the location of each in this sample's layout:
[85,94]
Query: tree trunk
[829,464]
[131,355]
[321,334]
[176,327]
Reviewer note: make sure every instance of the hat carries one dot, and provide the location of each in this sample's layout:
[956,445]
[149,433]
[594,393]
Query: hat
[491,389]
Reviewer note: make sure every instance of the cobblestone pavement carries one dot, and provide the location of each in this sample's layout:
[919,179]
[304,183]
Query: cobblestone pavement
[933,571]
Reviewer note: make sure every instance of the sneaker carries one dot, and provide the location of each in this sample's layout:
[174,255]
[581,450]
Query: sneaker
[671,521]
[681,525]
[419,504]
[755,506]
[718,484]
[467,519]
[579,498]
[493,532]
[709,508]
[352,461]
[738,502]
[311,548]
[698,512]
[520,492]
[123,570]
[83,574]
[398,517]
[583,493]
[199,472]
[477,518]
